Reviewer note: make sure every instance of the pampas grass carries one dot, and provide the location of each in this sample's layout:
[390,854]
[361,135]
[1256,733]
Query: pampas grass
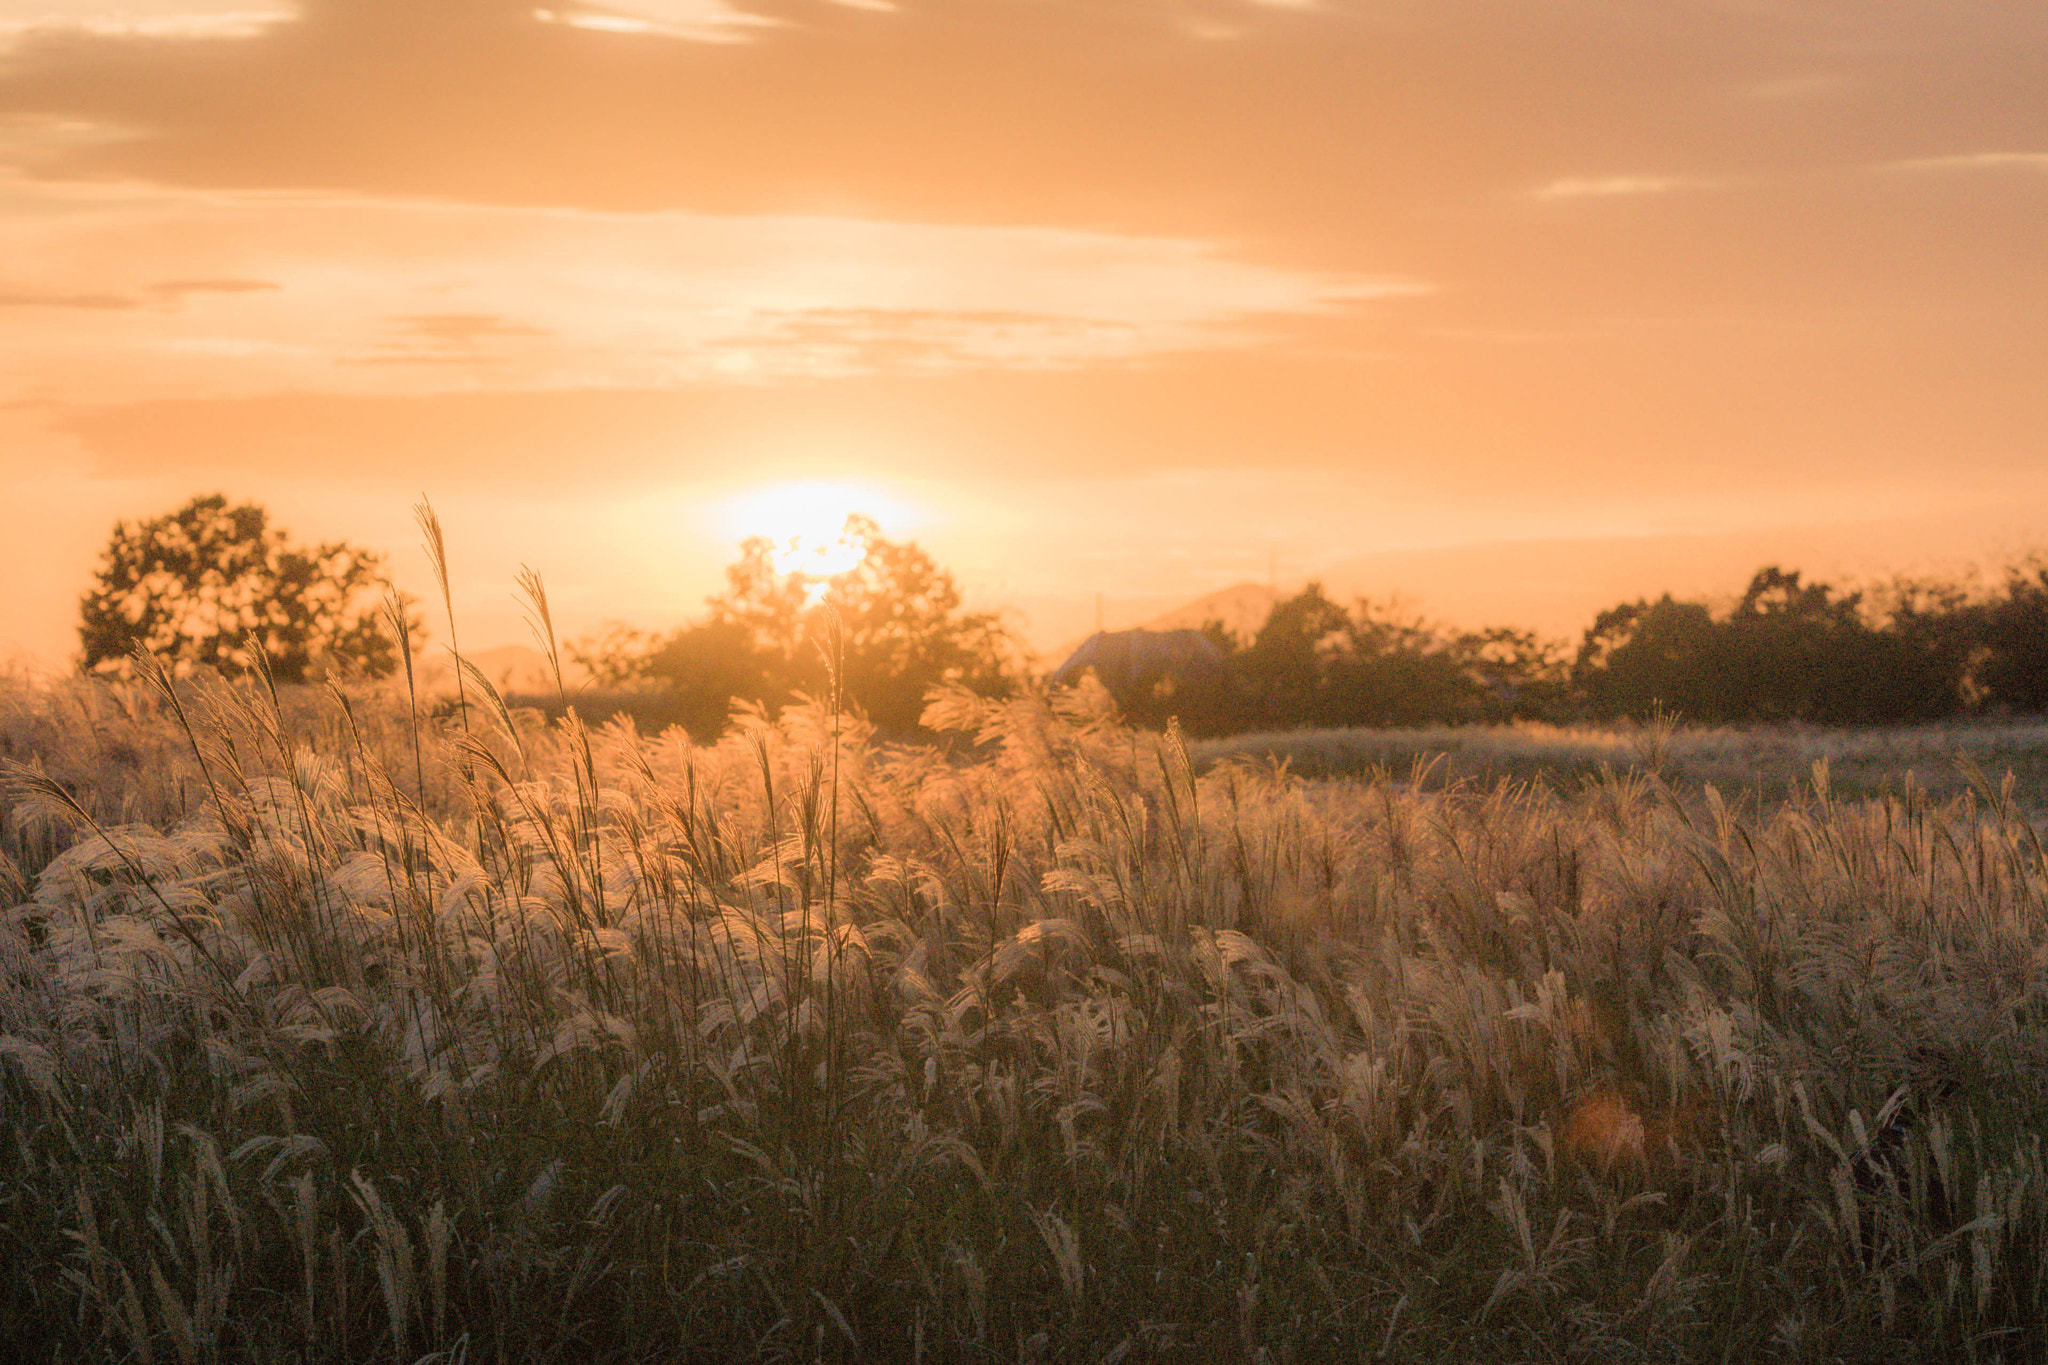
[334,1031]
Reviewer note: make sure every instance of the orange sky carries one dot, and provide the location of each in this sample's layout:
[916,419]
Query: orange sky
[1129,297]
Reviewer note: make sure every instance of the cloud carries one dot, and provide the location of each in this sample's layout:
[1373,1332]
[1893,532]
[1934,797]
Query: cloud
[142,292]
[18,298]
[446,339]
[1977,161]
[702,21]
[720,21]
[168,293]
[178,289]
[185,19]
[1614,186]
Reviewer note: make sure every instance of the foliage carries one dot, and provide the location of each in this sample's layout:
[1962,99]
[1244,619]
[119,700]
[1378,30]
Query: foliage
[1928,656]
[1287,669]
[209,585]
[1795,651]
[1519,673]
[616,655]
[1786,651]
[1641,657]
[389,1041]
[1795,648]
[2015,640]
[1315,663]
[879,635]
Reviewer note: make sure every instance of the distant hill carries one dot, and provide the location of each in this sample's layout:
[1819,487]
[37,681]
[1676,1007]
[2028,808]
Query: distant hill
[1242,608]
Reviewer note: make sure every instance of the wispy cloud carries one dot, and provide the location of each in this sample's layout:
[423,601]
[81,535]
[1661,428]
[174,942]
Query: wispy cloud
[31,298]
[447,339]
[1977,161]
[161,294]
[702,21]
[144,18]
[146,292]
[178,289]
[1615,186]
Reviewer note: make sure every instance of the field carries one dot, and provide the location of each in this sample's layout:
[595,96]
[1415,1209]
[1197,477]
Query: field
[332,1031]
[1760,764]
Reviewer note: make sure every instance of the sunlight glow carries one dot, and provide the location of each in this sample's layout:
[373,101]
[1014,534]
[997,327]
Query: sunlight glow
[805,524]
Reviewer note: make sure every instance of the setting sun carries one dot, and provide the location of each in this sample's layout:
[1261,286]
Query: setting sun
[805,522]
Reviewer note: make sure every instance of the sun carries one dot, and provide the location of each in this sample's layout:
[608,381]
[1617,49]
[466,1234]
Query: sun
[804,523]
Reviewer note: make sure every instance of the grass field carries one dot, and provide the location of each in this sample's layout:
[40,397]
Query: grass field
[1762,764]
[331,1032]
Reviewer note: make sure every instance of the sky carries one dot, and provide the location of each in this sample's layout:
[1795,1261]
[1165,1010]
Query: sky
[1510,309]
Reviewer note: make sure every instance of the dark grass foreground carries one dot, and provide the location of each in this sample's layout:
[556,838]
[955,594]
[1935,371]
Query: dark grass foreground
[328,1033]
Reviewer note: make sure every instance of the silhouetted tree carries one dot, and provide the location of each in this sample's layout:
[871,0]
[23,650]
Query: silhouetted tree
[1397,671]
[877,637]
[1643,658]
[2014,668]
[1286,670]
[617,655]
[1923,662]
[1516,674]
[704,668]
[1790,651]
[1314,663]
[208,584]
[890,628]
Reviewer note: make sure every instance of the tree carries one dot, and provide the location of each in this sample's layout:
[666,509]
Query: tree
[1512,674]
[1644,658]
[1287,669]
[1396,669]
[1792,652]
[209,584]
[2015,667]
[879,635]
[1316,663]
[1920,659]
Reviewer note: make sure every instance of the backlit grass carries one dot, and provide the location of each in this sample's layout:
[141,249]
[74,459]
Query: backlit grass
[334,1032]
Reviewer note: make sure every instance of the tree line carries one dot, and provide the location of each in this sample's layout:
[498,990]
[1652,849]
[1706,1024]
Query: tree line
[1786,651]
[214,585]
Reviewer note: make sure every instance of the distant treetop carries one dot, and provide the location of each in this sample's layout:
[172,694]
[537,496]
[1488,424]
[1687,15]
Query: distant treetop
[210,584]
